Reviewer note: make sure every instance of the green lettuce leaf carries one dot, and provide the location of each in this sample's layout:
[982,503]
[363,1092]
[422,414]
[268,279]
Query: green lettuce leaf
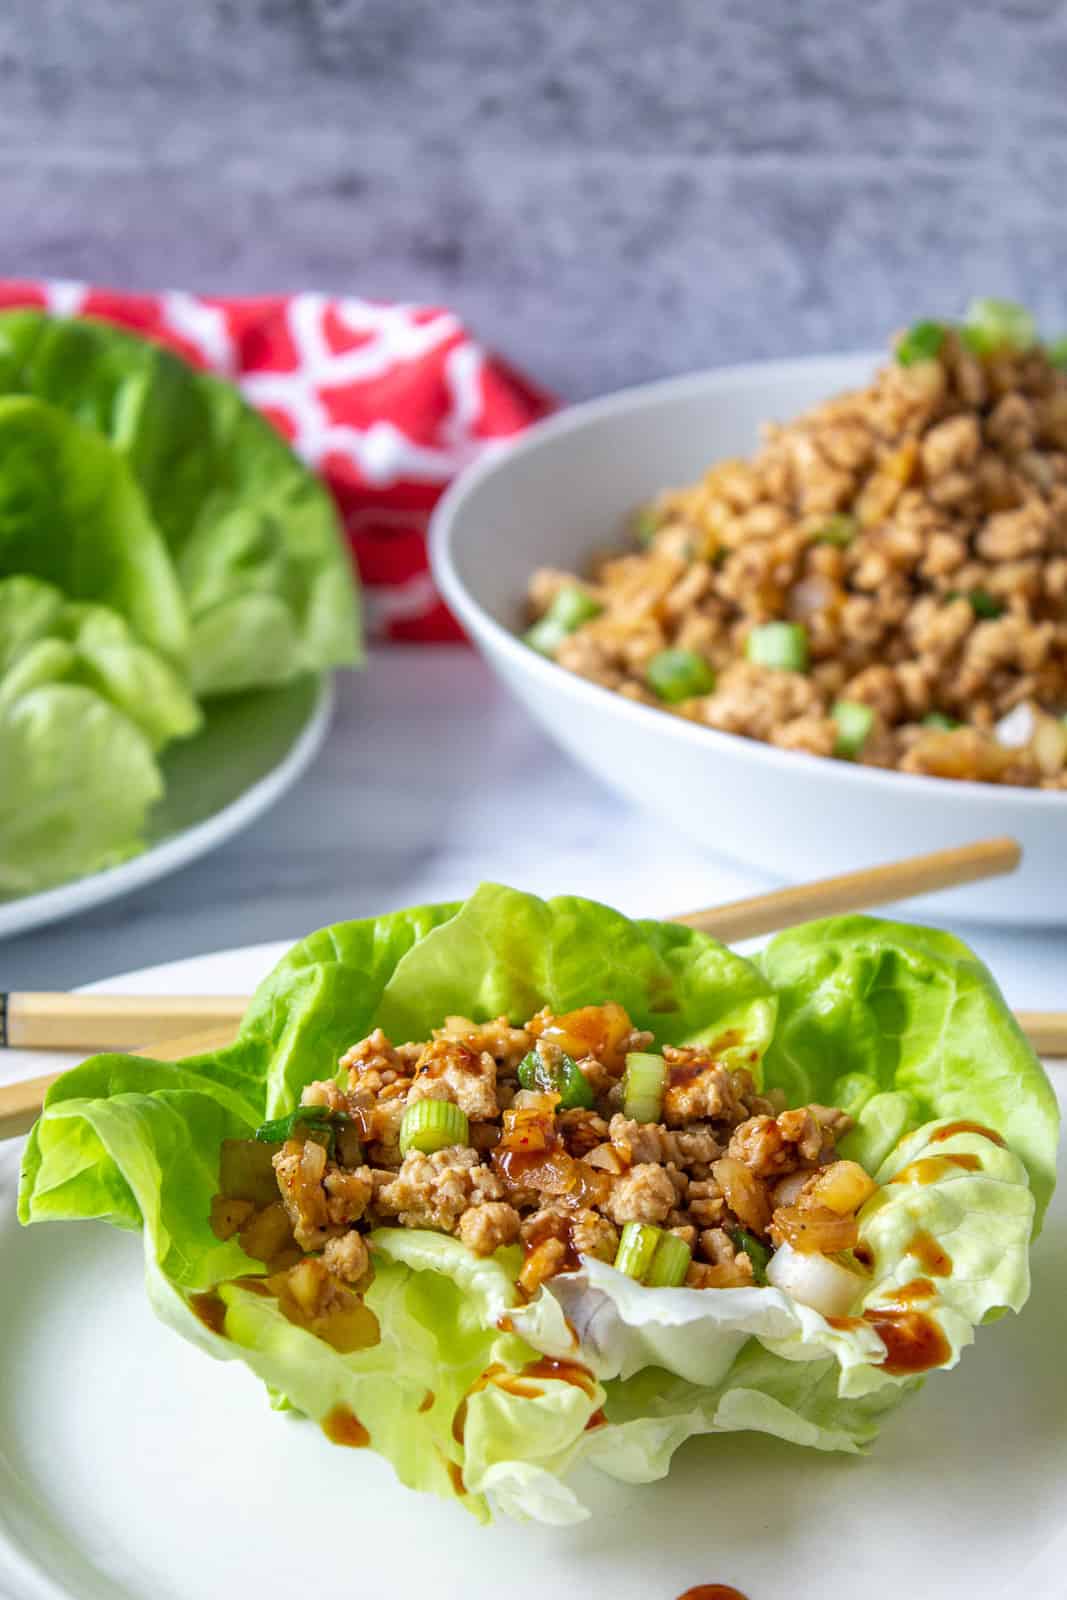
[138,1144]
[45,639]
[870,1007]
[253,534]
[72,515]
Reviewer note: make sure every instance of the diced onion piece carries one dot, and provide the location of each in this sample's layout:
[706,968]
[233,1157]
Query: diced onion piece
[643,1083]
[1017,728]
[815,1281]
[1049,746]
[843,1186]
[670,1262]
[811,1230]
[637,1247]
[430,1125]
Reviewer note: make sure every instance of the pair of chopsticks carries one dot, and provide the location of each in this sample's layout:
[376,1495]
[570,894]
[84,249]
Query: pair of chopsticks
[161,1026]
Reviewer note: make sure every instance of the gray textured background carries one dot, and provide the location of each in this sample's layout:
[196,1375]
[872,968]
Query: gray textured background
[608,189]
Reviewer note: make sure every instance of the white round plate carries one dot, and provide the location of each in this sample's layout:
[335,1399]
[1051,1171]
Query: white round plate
[132,1467]
[564,490]
[252,748]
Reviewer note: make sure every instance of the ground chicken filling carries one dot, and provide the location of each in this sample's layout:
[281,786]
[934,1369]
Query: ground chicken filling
[559,1168]
[884,581]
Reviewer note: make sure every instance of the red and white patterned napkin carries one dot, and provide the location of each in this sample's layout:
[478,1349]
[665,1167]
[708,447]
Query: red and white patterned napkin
[387,402]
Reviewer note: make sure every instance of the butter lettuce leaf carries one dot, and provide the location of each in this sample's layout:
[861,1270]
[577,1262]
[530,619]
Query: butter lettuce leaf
[253,535]
[137,1144]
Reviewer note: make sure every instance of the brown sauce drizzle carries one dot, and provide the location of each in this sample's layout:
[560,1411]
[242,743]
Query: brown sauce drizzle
[253,1285]
[597,1420]
[426,1403]
[926,1250]
[505,1324]
[211,1309]
[845,1323]
[952,1128]
[342,1426]
[863,1254]
[455,1473]
[913,1341]
[523,1385]
[917,1289]
[712,1591]
[928,1169]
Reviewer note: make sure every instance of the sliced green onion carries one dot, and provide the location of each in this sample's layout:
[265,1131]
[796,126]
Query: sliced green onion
[754,1249]
[653,1256]
[998,325]
[840,530]
[637,1247]
[922,342]
[940,719]
[670,1263]
[571,607]
[643,1083]
[782,645]
[567,1080]
[1057,352]
[983,604]
[679,675]
[430,1125]
[312,1119]
[854,722]
[645,524]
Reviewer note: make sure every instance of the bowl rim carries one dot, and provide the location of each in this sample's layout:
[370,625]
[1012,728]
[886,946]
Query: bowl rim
[445,518]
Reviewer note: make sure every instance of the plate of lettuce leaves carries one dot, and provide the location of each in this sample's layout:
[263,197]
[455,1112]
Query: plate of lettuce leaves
[666,1266]
[173,581]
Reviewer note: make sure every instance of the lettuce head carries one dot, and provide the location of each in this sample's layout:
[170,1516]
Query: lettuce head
[469,1391]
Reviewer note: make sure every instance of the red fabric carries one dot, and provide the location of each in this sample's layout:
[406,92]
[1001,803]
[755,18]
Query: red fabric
[387,402]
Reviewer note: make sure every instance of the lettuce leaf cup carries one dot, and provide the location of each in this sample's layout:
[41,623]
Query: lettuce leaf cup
[535,1184]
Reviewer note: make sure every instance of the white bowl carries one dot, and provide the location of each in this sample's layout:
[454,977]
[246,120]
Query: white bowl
[562,491]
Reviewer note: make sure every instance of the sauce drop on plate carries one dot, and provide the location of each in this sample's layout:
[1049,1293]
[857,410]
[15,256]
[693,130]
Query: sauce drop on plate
[342,1426]
[712,1591]
[426,1403]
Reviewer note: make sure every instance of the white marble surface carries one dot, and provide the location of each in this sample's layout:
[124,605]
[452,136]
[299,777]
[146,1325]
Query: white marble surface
[430,781]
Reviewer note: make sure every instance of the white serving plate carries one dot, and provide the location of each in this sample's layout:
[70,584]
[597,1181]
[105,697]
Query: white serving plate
[132,1467]
[252,748]
[563,490]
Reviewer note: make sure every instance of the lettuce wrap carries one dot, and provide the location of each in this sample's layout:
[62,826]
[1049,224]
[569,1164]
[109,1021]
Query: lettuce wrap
[256,560]
[471,1391]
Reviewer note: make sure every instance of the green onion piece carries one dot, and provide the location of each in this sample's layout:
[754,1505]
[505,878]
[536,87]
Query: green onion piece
[679,675]
[998,325]
[1057,352]
[670,1263]
[645,524]
[940,719]
[567,1080]
[840,529]
[545,636]
[571,607]
[756,1252]
[854,722]
[782,645]
[922,342]
[637,1247]
[313,1119]
[983,604]
[430,1125]
[643,1083]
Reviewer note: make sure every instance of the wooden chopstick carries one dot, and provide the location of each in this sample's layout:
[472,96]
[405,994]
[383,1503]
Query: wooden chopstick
[73,1021]
[20,1103]
[856,891]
